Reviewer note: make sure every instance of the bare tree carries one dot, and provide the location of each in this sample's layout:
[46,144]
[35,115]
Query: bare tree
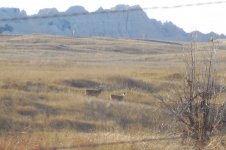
[199,105]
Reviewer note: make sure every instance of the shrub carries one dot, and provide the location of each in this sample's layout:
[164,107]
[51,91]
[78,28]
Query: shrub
[197,105]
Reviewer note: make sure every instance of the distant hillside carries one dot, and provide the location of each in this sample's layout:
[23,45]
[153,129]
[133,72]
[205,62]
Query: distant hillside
[131,24]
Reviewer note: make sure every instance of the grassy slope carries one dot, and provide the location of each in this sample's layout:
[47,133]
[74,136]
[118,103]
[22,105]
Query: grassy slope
[42,90]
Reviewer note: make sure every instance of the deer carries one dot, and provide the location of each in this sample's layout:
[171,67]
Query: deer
[93,92]
[117,97]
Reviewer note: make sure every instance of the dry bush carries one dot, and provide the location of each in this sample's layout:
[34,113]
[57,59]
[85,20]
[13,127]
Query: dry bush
[198,104]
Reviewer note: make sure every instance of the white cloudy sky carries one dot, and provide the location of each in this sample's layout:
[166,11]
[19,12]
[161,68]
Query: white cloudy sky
[203,18]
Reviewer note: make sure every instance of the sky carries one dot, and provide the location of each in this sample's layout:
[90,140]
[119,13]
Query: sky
[206,18]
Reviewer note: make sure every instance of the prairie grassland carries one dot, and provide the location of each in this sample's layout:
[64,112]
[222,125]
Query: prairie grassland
[42,91]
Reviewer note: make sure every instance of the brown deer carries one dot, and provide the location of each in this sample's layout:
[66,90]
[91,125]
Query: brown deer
[117,97]
[93,92]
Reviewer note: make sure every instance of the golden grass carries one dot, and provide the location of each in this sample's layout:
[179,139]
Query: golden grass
[42,91]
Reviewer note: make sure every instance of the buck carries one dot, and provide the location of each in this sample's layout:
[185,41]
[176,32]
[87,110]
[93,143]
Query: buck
[93,92]
[117,97]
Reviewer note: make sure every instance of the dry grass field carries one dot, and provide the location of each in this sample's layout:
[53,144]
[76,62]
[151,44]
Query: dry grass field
[43,102]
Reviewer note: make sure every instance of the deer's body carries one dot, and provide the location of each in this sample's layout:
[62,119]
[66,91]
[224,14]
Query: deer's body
[93,92]
[117,97]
